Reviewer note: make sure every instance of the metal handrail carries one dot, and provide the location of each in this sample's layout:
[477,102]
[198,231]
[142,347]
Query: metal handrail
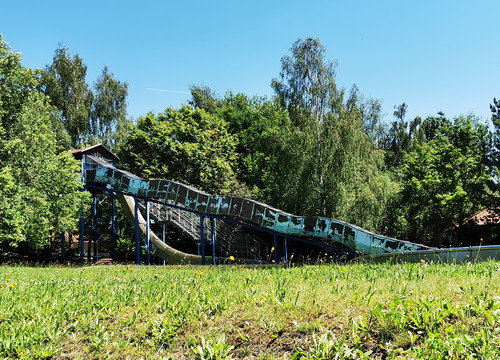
[228,241]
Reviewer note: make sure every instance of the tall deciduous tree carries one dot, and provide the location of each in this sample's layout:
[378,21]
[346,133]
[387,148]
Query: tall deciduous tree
[402,138]
[444,180]
[39,187]
[109,108]
[202,97]
[495,150]
[306,86]
[88,116]
[324,161]
[186,145]
[64,82]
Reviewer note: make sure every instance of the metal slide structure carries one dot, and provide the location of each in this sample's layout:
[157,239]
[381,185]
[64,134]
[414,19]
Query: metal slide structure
[329,233]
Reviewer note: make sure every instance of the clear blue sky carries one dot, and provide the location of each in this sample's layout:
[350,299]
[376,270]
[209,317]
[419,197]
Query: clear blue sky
[433,55]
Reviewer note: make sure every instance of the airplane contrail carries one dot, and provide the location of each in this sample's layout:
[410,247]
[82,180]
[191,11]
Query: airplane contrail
[170,91]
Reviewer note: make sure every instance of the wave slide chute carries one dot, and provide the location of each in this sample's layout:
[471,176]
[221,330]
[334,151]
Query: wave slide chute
[320,230]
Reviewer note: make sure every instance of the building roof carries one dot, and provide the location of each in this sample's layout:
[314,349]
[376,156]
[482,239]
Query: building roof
[488,216]
[96,150]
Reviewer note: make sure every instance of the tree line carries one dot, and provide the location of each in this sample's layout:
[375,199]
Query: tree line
[313,148]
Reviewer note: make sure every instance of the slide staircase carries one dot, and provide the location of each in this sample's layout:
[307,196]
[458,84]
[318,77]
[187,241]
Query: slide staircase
[194,203]
[230,241]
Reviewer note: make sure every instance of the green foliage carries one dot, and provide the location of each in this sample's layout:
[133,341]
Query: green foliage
[306,87]
[323,161]
[202,97]
[88,117]
[212,350]
[64,82]
[443,180]
[327,347]
[109,109]
[402,137]
[39,187]
[494,186]
[186,145]
[415,311]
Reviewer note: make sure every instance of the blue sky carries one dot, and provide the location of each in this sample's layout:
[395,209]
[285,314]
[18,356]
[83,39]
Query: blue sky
[433,55]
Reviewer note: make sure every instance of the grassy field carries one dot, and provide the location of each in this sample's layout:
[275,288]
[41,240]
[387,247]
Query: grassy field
[353,311]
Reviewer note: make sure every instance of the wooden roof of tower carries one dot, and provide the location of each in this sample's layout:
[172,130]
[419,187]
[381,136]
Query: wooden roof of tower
[98,150]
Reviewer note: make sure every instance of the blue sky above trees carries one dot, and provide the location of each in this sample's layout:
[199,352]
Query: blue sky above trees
[433,55]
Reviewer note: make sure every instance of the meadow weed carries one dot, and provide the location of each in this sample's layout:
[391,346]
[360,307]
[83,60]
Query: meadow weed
[334,311]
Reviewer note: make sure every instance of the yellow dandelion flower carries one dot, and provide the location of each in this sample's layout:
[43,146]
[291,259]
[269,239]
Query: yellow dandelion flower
[5,274]
[8,280]
[11,286]
[157,275]
[272,249]
[422,261]
[201,272]
[231,258]
[249,277]
[174,284]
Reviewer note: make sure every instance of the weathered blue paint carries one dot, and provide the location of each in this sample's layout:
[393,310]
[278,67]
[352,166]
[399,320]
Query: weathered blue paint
[322,230]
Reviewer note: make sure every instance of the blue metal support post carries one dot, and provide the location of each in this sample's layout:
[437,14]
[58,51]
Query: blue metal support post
[202,231]
[82,236]
[63,250]
[275,249]
[137,243]
[94,228]
[113,229]
[148,235]
[212,224]
[286,249]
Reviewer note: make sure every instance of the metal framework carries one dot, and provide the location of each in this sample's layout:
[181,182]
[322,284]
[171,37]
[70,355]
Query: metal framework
[100,176]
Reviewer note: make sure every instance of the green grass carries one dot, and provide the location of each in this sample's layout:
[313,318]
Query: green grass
[354,311]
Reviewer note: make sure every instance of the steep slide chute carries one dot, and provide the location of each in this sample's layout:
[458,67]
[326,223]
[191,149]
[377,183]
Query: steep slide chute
[321,230]
[163,250]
